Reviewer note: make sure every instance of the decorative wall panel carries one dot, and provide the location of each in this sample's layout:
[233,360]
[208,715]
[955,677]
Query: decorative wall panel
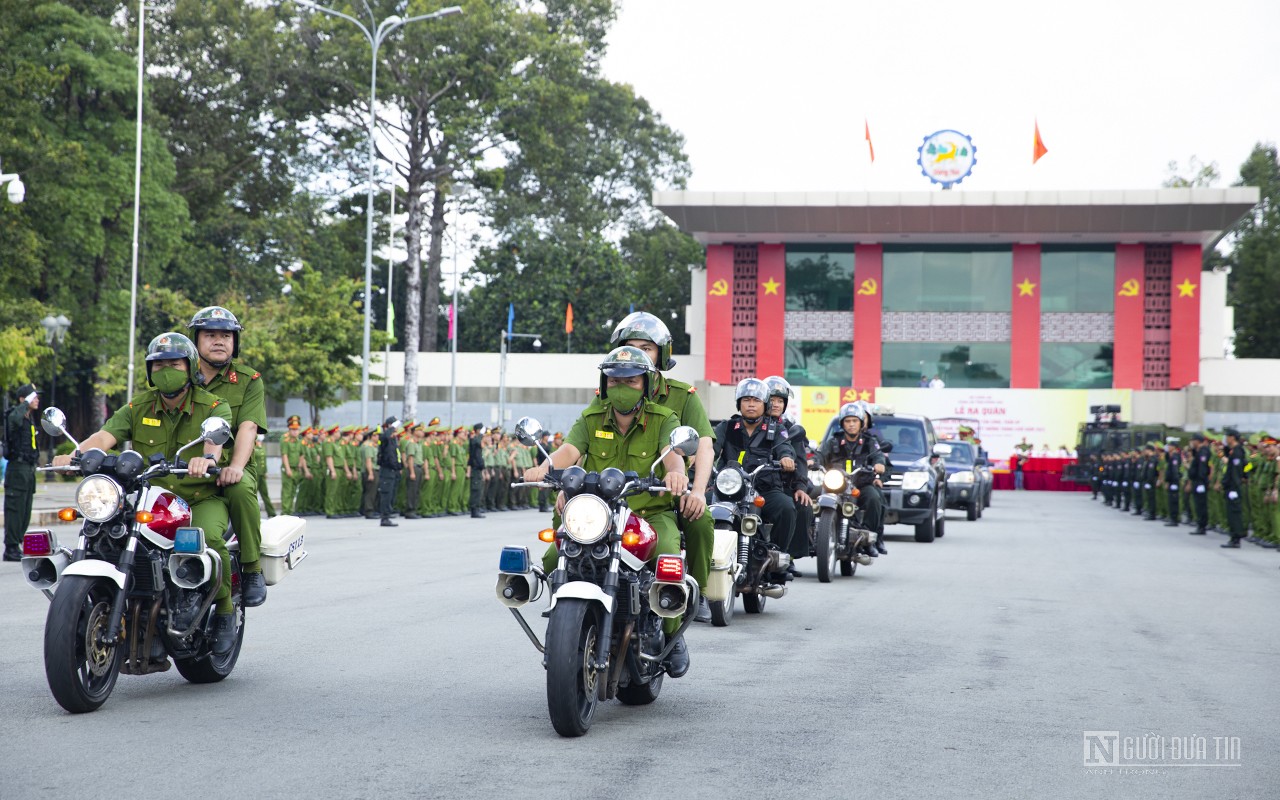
[819,326]
[929,326]
[1077,327]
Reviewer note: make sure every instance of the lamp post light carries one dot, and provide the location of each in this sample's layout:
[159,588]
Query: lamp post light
[55,330]
[502,367]
[375,38]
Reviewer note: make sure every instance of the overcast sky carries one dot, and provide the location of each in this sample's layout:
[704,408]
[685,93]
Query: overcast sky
[771,96]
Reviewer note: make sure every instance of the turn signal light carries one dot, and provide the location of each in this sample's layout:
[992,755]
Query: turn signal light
[630,539]
[547,535]
[670,568]
[856,492]
[144,517]
[68,514]
[758,502]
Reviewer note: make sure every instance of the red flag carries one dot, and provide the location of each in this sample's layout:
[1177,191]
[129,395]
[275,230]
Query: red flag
[1037,146]
[568,318]
[452,322]
[872,148]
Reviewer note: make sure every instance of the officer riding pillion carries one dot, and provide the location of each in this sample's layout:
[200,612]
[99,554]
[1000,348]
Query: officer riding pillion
[216,333]
[160,420]
[648,333]
[853,446]
[624,428]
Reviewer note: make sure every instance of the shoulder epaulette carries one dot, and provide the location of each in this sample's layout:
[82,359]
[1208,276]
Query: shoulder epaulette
[692,389]
[215,404]
[256,375]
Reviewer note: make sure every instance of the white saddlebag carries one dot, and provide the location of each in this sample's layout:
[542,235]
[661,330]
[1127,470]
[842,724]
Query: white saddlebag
[282,546]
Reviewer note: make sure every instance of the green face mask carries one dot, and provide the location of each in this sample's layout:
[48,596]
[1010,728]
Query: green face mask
[624,398]
[169,380]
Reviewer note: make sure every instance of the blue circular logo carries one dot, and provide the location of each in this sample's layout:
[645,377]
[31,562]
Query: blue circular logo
[947,157]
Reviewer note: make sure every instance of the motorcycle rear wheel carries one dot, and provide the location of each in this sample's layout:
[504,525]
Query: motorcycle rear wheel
[573,635]
[722,610]
[81,672]
[644,693]
[210,668]
[824,546]
[753,602]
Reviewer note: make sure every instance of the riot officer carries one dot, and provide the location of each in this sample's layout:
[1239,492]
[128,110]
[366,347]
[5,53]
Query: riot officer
[1173,481]
[852,446]
[1199,472]
[1233,486]
[796,482]
[388,470]
[20,476]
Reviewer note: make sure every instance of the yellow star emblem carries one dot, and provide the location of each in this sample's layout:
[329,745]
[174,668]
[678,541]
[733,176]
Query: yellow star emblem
[865,395]
[771,286]
[1186,288]
[1026,288]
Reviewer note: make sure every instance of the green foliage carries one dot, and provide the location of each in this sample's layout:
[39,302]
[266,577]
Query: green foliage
[1253,287]
[1198,175]
[307,342]
[21,350]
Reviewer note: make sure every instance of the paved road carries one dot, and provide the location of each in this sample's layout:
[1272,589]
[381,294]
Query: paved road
[969,667]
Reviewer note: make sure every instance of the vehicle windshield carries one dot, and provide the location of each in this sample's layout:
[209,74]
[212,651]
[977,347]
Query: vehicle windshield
[906,435]
[961,453]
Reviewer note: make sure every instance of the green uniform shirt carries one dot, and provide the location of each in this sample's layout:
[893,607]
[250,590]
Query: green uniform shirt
[151,429]
[595,434]
[241,388]
[289,453]
[367,453]
[681,398]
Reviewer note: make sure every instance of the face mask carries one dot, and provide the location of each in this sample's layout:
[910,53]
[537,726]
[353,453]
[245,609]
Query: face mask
[625,399]
[169,381]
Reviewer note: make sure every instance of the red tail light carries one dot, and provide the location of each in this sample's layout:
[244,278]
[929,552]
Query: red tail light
[37,544]
[670,568]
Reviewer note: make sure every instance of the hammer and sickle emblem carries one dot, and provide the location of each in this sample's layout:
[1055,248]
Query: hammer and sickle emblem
[850,395]
[1129,288]
[869,286]
[719,289]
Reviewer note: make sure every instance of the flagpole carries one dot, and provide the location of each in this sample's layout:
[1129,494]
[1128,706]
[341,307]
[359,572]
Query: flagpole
[391,257]
[453,325]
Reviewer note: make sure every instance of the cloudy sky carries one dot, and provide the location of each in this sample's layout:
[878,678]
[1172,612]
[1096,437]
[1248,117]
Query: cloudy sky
[772,96]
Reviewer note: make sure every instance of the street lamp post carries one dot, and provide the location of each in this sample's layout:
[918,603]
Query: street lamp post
[502,368]
[55,330]
[375,39]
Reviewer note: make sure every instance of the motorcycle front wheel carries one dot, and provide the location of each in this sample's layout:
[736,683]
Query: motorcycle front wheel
[573,636]
[80,670]
[824,546]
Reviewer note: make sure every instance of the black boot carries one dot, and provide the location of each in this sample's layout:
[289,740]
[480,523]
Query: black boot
[1233,543]
[677,661]
[884,551]
[387,523]
[704,611]
[253,588]
[477,515]
[1197,532]
[224,633]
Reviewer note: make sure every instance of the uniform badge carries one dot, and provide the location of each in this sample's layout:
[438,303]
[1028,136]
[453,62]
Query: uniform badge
[604,434]
[233,378]
[155,423]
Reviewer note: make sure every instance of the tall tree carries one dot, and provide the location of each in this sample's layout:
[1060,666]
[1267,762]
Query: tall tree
[1254,284]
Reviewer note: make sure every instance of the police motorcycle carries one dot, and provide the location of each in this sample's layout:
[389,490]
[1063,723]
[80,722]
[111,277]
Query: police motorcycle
[838,535]
[743,559]
[140,584]
[604,635]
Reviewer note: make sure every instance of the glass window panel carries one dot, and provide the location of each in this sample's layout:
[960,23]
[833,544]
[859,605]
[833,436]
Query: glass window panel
[1076,365]
[1077,280]
[947,280]
[819,363]
[819,278]
[980,365]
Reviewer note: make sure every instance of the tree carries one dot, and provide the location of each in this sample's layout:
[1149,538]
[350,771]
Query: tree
[20,353]
[1253,287]
[1202,175]
[307,342]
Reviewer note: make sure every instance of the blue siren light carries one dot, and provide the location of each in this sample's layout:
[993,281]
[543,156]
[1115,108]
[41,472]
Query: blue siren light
[514,559]
[188,540]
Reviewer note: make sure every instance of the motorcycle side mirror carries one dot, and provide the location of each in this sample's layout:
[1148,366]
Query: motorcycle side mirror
[54,423]
[684,440]
[215,430]
[886,447]
[528,431]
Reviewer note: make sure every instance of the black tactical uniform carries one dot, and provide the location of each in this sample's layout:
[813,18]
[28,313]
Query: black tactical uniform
[1198,474]
[1173,483]
[1233,488]
[20,476]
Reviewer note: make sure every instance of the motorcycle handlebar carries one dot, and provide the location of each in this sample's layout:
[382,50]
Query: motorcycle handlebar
[51,468]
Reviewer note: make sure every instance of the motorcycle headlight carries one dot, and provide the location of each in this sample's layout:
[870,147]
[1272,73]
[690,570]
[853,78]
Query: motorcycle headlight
[586,518]
[833,481]
[914,481]
[962,477]
[729,482]
[99,498]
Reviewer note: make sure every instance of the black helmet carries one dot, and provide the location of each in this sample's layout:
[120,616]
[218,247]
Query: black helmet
[778,387]
[217,318]
[625,362]
[392,423]
[643,325]
[171,345]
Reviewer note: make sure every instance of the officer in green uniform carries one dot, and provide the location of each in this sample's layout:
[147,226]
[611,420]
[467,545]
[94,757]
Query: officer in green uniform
[20,476]
[259,462]
[414,472]
[288,464]
[369,474]
[447,480]
[431,480]
[623,428]
[458,494]
[490,472]
[216,333]
[162,419]
[647,332]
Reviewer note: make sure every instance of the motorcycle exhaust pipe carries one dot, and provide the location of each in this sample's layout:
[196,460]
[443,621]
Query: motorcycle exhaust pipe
[774,591]
[863,559]
[191,571]
[668,600]
[515,589]
[43,572]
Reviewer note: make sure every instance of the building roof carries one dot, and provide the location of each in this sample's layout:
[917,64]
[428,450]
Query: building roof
[1187,216]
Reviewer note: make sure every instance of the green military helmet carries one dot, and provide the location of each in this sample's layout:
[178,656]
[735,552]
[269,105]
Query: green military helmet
[171,345]
[643,325]
[626,362]
[217,318]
